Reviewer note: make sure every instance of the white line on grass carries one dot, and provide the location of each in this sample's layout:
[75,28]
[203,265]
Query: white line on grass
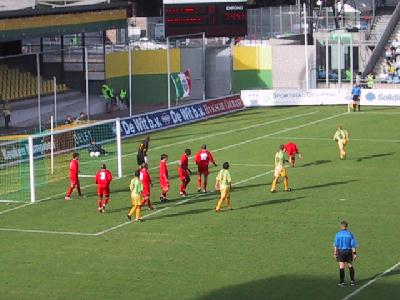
[371,281]
[47,231]
[177,204]
[251,165]
[329,139]
[220,149]
[169,145]
[128,222]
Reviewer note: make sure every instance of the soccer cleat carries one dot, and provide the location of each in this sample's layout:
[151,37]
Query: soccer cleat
[199,190]
[273,191]
[104,209]
[204,191]
[289,190]
[352,283]
[129,217]
[151,208]
[217,210]
[341,284]
[138,220]
[183,194]
[67,198]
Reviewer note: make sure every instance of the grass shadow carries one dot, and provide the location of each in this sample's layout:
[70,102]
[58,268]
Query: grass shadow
[316,163]
[325,185]
[271,202]
[360,159]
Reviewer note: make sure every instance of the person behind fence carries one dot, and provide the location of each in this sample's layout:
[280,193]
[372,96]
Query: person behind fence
[123,96]
[95,150]
[81,118]
[7,114]
[370,80]
[108,95]
[68,120]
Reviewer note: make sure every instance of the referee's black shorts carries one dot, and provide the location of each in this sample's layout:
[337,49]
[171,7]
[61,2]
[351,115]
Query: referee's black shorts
[345,256]
[356,98]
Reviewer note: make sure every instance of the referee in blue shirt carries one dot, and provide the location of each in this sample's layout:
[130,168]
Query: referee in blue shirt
[344,252]
[355,96]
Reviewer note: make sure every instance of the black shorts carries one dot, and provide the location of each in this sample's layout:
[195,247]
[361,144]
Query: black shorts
[140,159]
[345,256]
[356,98]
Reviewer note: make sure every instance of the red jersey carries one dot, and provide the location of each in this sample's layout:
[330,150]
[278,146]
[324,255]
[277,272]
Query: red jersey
[291,149]
[184,162]
[163,172]
[73,168]
[145,177]
[203,158]
[103,178]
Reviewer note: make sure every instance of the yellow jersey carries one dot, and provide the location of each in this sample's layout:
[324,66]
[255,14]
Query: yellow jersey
[136,186]
[224,178]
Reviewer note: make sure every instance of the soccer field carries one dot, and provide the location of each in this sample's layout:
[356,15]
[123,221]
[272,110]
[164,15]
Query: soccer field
[271,246]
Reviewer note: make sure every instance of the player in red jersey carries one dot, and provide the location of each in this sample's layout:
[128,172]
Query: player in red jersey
[164,181]
[146,182]
[103,180]
[202,160]
[184,172]
[291,151]
[73,176]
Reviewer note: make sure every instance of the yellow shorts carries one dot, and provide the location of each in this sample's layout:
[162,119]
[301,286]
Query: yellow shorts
[136,199]
[280,172]
[225,192]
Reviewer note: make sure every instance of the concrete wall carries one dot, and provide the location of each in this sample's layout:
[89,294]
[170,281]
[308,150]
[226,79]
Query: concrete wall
[218,71]
[288,66]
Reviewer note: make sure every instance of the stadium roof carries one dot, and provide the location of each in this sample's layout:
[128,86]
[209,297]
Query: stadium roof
[11,5]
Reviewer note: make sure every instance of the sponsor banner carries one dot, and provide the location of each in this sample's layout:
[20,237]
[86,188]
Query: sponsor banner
[253,98]
[380,97]
[181,115]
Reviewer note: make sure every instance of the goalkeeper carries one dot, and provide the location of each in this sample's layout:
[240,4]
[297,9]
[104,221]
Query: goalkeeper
[96,149]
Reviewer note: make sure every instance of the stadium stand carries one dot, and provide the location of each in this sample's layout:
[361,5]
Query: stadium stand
[16,84]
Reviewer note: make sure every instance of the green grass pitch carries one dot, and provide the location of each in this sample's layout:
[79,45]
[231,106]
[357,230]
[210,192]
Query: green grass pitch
[271,246]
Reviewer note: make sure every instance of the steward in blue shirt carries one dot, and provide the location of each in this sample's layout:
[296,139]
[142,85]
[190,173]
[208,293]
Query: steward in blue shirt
[355,96]
[344,252]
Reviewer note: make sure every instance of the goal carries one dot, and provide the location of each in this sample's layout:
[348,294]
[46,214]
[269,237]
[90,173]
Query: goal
[28,166]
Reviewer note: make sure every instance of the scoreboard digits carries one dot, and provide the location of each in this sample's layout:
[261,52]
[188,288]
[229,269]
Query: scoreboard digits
[216,19]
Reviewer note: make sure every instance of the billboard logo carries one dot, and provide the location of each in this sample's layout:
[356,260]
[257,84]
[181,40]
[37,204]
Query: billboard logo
[370,96]
[165,118]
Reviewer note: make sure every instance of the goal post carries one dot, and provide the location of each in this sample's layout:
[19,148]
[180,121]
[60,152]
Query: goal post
[28,167]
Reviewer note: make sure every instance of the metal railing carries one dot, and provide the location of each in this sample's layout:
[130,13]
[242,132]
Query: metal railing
[378,51]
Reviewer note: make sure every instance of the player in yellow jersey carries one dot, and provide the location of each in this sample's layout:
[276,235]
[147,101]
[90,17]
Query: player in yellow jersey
[341,136]
[136,188]
[280,170]
[223,183]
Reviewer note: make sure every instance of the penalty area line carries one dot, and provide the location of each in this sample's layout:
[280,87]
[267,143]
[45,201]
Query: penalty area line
[371,281]
[48,232]
[223,148]
[100,233]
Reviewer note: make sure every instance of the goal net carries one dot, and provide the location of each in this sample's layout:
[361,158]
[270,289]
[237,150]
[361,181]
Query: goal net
[51,153]
[14,171]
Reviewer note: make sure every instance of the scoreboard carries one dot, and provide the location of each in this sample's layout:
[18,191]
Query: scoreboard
[223,18]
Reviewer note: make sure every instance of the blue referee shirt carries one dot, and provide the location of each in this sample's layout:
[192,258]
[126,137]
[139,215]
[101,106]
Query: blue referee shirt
[356,91]
[345,240]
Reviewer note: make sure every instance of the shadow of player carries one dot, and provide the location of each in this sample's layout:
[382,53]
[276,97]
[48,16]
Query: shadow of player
[360,159]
